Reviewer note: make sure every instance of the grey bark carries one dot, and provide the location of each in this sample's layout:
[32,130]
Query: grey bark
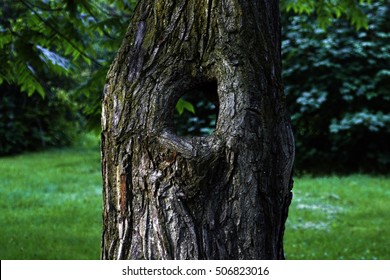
[223,196]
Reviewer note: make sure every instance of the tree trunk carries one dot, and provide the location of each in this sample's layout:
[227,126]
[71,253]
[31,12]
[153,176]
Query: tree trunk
[223,196]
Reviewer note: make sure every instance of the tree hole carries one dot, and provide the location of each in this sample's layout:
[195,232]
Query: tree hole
[196,112]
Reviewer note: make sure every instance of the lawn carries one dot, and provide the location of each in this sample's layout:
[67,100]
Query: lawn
[51,209]
[339,218]
[51,205]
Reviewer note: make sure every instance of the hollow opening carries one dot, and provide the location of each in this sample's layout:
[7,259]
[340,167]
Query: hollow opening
[196,112]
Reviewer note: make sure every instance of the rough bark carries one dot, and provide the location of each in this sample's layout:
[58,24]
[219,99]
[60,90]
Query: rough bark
[224,196]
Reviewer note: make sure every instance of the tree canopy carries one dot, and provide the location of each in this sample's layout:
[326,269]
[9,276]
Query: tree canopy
[327,10]
[44,42]
[60,44]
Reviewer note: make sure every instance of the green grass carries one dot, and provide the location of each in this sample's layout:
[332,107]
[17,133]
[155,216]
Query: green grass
[50,205]
[339,218]
[51,209]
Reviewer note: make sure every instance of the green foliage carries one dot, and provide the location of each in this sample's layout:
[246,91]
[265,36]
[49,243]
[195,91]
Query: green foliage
[32,123]
[337,84]
[46,44]
[199,122]
[26,43]
[325,11]
[112,19]
[198,119]
[182,105]
[48,48]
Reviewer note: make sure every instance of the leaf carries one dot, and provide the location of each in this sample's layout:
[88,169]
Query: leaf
[40,90]
[184,105]
[54,58]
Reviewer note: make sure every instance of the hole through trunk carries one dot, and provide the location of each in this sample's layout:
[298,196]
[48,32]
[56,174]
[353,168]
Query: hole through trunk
[196,111]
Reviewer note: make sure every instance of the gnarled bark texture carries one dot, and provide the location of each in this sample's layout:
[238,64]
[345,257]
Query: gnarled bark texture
[224,196]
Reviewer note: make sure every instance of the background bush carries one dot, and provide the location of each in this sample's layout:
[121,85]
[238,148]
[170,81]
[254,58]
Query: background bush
[32,123]
[337,85]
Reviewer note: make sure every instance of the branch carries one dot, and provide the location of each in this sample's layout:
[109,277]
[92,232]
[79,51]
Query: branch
[28,5]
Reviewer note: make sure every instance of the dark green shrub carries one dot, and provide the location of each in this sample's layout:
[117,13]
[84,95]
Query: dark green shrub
[32,123]
[337,85]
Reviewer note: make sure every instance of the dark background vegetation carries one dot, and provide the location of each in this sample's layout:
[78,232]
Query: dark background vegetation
[337,84]
[55,54]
